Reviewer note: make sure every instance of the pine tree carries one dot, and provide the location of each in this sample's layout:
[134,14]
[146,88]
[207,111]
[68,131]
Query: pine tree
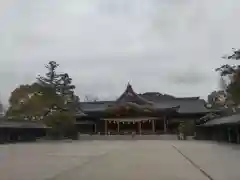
[66,90]
[51,79]
[64,86]
[232,73]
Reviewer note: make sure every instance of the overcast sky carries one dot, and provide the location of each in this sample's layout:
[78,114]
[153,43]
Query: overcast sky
[169,46]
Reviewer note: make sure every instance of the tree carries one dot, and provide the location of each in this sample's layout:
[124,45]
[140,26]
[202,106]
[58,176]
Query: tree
[66,89]
[33,102]
[18,99]
[61,120]
[2,110]
[234,56]
[221,98]
[75,104]
[65,86]
[20,94]
[51,78]
[216,99]
[62,84]
[61,125]
[232,73]
[51,100]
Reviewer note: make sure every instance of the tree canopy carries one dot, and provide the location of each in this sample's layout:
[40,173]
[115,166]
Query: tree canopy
[51,78]
[232,72]
[32,102]
[50,99]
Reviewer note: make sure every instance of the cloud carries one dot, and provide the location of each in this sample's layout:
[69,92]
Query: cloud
[188,78]
[170,46]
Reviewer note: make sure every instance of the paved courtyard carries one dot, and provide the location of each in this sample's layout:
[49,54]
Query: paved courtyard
[120,160]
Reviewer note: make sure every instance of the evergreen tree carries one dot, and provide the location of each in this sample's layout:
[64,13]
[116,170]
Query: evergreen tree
[232,73]
[64,86]
[51,78]
[32,102]
[51,100]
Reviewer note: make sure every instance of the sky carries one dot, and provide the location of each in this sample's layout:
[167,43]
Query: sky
[166,46]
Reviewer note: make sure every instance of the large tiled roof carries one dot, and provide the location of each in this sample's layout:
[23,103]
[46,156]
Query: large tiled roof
[233,119]
[96,106]
[188,105]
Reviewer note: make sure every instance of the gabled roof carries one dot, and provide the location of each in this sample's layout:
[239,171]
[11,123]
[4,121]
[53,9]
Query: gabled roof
[130,96]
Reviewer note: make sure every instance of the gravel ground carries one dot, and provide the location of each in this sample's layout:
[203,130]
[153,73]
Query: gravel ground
[128,160]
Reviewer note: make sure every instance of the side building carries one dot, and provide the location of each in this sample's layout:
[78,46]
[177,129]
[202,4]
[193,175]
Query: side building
[16,131]
[219,127]
[148,113]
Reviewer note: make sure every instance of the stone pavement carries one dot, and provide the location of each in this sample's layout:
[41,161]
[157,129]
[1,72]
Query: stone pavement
[128,160]
[220,161]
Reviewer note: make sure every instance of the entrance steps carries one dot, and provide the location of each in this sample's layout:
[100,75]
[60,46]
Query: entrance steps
[128,137]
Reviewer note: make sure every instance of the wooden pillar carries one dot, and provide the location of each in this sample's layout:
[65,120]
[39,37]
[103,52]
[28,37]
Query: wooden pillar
[139,127]
[238,135]
[229,135]
[118,127]
[95,128]
[165,124]
[106,127]
[153,125]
